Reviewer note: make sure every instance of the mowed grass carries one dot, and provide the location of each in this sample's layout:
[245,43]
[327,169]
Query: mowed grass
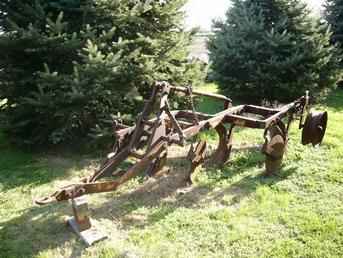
[232,212]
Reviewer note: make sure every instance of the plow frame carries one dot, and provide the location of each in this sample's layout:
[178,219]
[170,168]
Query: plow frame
[147,142]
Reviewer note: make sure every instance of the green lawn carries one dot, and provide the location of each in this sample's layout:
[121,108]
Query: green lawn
[233,212]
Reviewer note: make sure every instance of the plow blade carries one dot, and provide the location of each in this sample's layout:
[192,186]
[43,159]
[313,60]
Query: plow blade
[275,147]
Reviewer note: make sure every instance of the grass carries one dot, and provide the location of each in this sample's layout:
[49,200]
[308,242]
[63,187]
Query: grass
[232,212]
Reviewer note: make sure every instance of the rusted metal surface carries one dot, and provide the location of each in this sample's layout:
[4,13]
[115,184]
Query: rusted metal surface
[81,223]
[314,128]
[222,154]
[275,146]
[148,140]
[196,156]
[81,213]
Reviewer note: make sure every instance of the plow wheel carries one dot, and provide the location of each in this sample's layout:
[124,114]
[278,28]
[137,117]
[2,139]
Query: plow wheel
[275,147]
[196,156]
[314,128]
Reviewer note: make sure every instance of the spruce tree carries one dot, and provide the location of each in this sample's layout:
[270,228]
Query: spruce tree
[334,16]
[68,67]
[272,50]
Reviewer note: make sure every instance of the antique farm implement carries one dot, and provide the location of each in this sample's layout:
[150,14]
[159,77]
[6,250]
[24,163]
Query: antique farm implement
[159,127]
[147,142]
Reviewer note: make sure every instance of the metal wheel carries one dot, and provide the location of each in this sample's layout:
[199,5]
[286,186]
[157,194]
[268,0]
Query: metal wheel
[314,128]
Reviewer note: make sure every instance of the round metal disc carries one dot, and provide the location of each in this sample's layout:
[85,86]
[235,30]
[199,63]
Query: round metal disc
[314,128]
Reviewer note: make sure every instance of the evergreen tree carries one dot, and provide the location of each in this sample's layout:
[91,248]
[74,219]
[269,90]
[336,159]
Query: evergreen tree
[68,66]
[334,16]
[272,50]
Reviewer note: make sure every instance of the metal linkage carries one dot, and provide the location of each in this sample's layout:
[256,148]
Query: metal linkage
[147,142]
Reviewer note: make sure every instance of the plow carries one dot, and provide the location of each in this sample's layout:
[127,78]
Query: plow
[158,127]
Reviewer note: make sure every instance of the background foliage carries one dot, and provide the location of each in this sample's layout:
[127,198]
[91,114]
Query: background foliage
[272,50]
[334,16]
[68,66]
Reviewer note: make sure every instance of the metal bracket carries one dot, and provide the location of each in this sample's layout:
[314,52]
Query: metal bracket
[81,223]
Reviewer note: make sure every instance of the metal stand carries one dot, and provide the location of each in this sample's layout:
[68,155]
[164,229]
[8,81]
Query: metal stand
[81,223]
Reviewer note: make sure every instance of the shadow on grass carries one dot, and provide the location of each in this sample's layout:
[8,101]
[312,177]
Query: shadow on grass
[36,230]
[40,229]
[249,157]
[170,192]
[249,184]
[335,100]
[18,168]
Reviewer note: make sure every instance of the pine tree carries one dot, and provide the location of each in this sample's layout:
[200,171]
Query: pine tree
[69,66]
[334,16]
[272,50]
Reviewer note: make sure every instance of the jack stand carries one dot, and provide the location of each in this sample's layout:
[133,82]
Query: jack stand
[81,223]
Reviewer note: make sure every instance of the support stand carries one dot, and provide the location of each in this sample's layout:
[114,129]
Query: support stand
[81,223]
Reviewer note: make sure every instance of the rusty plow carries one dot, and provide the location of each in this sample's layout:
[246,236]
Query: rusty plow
[156,129]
